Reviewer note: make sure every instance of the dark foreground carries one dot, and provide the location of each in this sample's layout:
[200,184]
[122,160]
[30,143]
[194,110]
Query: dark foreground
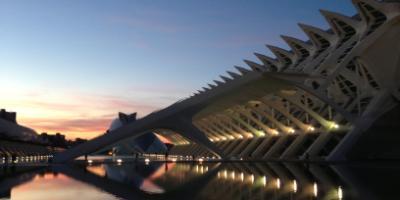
[194,180]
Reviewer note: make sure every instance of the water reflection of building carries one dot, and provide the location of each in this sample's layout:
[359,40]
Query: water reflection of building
[240,181]
[11,177]
[226,181]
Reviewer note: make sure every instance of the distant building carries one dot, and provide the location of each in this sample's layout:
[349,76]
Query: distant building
[147,143]
[9,116]
[10,129]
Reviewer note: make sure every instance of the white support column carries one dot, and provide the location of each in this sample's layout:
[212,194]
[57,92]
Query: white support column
[276,147]
[294,147]
[318,145]
[251,146]
[241,146]
[328,125]
[217,132]
[304,127]
[210,133]
[229,121]
[247,114]
[262,146]
[281,126]
[253,131]
[230,132]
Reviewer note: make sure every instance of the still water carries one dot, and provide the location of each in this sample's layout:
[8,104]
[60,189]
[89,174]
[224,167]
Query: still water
[193,180]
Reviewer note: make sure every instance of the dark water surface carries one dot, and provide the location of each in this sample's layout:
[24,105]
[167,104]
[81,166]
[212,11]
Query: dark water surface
[159,180]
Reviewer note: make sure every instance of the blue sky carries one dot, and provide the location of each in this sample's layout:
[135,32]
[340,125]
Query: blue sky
[142,54]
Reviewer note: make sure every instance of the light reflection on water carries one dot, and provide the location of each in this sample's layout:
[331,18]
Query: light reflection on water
[159,180]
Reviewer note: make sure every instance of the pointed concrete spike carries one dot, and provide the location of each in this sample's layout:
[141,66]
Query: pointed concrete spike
[270,63]
[347,19]
[330,16]
[233,75]
[242,70]
[294,43]
[378,6]
[206,89]
[226,79]
[212,86]
[254,66]
[289,40]
[218,82]
[280,50]
[281,54]
[264,57]
[308,30]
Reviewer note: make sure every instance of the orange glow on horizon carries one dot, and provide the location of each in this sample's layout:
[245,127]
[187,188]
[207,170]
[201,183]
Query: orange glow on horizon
[74,115]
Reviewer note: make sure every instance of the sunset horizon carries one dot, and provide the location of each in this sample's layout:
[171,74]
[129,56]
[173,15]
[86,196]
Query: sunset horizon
[172,99]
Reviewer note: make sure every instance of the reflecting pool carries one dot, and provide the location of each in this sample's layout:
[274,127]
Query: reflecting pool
[194,180]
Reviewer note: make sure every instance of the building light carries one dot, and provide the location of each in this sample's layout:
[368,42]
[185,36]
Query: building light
[90,161]
[240,136]
[334,125]
[274,132]
[315,187]
[310,128]
[340,193]
[252,178]
[260,133]
[212,140]
[291,130]
[250,136]
[119,160]
[173,159]
[146,161]
[231,137]
[278,183]
[233,175]
[242,176]
[264,180]
[200,160]
[294,186]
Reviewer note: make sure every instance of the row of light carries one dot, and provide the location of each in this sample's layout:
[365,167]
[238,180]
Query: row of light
[290,130]
[147,160]
[232,175]
[25,159]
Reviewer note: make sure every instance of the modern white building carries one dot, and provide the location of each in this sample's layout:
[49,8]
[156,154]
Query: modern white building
[334,97]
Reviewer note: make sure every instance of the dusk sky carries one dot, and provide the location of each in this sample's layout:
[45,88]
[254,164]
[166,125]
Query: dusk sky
[70,66]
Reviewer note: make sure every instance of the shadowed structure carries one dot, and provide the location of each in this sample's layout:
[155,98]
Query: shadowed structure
[312,102]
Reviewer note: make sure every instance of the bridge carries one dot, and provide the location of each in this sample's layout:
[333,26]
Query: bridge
[334,97]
